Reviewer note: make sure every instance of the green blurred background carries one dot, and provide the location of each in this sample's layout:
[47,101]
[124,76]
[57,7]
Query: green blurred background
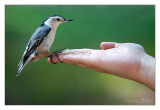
[44,83]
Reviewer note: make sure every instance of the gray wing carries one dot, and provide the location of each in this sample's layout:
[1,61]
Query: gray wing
[36,39]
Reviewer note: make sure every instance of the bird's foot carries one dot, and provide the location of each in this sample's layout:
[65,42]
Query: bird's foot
[56,53]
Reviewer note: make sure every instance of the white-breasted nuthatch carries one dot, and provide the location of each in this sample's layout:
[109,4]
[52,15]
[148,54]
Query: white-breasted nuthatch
[41,41]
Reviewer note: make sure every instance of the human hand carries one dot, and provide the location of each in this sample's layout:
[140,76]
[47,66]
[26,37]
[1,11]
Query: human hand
[127,60]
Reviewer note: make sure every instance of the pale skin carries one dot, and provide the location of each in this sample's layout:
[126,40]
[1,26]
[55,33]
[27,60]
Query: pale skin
[127,60]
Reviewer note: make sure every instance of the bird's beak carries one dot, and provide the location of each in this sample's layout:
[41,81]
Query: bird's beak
[67,20]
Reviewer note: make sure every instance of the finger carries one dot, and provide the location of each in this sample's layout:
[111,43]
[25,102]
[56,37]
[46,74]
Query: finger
[107,45]
[76,51]
[77,59]
[80,50]
[98,70]
[86,66]
[54,59]
[65,60]
[82,65]
[82,60]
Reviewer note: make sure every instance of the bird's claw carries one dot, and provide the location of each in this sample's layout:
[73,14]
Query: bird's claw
[56,53]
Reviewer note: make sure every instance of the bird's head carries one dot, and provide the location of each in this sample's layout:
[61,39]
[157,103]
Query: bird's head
[55,20]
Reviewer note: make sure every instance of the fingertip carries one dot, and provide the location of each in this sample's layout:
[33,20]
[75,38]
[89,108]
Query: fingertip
[49,60]
[101,45]
[54,59]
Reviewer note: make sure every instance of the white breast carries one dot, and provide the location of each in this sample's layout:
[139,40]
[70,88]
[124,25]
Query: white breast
[46,44]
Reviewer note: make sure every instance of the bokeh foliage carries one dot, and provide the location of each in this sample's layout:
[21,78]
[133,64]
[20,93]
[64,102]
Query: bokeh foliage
[44,83]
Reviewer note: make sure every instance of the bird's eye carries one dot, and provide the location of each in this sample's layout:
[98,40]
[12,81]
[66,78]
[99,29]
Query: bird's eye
[58,19]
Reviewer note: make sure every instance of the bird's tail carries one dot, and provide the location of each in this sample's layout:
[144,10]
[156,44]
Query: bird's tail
[21,65]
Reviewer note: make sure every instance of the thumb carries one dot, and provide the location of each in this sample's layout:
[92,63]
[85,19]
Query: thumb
[107,45]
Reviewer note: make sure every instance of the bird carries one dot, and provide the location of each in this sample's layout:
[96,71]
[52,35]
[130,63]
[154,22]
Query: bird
[41,41]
